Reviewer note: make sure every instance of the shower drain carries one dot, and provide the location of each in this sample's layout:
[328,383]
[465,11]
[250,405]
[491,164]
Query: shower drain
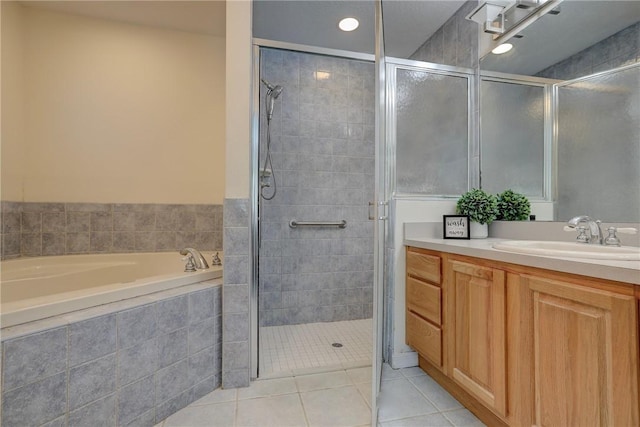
[337,344]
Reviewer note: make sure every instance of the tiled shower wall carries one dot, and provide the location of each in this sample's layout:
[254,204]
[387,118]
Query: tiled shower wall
[323,160]
[36,229]
[455,43]
[620,49]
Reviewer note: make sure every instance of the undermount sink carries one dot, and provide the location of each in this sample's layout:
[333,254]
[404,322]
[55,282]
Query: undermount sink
[570,250]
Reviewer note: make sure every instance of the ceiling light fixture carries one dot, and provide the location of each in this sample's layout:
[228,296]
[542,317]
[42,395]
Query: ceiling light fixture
[503,48]
[348,24]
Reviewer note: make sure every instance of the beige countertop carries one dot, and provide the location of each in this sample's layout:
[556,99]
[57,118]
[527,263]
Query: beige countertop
[621,271]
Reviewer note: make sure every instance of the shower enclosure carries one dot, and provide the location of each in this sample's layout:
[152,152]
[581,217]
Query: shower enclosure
[315,280]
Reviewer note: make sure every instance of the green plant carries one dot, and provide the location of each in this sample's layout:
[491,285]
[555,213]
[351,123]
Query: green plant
[481,207]
[513,206]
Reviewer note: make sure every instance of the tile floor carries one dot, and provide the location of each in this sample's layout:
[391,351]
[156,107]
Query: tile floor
[293,349]
[340,398]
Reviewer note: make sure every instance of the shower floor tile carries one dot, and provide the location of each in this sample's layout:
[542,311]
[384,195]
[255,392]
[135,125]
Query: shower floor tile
[298,349]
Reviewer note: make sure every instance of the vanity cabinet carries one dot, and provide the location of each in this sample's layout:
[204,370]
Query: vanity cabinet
[476,324]
[584,354]
[526,346]
[424,305]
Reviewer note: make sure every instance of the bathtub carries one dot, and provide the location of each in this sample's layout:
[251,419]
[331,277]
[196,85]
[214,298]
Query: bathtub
[36,288]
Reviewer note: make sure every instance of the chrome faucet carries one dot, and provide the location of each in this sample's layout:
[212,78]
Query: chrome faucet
[595,232]
[196,257]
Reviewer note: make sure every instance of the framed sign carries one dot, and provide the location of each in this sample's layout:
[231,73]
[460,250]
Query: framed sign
[455,227]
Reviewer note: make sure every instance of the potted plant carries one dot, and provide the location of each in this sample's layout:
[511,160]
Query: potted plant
[482,209]
[513,206]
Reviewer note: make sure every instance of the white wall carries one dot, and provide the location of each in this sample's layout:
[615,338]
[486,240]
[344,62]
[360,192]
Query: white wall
[123,113]
[11,101]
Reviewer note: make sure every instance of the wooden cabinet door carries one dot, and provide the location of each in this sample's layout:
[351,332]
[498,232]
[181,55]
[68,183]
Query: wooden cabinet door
[585,355]
[476,331]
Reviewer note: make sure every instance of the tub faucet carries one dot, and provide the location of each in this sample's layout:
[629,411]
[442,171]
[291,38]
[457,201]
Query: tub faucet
[196,256]
[595,232]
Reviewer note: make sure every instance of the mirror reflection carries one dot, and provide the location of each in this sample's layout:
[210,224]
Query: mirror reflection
[516,99]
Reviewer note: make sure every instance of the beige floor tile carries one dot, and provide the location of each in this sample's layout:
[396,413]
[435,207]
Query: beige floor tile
[435,393]
[263,388]
[388,373]
[322,381]
[217,396]
[216,415]
[365,391]
[360,375]
[463,418]
[413,372]
[275,411]
[343,406]
[431,420]
[400,399]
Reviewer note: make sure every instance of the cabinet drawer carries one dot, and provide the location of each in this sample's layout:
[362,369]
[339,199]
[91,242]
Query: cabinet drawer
[424,266]
[424,299]
[425,338]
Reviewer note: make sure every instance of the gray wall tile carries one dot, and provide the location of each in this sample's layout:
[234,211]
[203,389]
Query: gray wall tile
[236,299]
[235,327]
[92,381]
[235,355]
[31,222]
[173,405]
[201,335]
[91,339]
[35,356]
[172,314]
[137,362]
[202,365]
[53,243]
[135,326]
[148,419]
[201,305]
[135,399]
[101,413]
[236,378]
[172,381]
[172,347]
[37,402]
[325,175]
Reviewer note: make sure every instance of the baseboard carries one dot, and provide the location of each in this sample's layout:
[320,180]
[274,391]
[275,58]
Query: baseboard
[404,360]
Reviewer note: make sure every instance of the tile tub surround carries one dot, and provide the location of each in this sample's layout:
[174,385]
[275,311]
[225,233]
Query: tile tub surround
[133,362]
[40,229]
[323,158]
[236,318]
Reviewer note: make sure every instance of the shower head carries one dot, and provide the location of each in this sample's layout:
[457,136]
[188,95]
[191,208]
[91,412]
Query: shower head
[273,92]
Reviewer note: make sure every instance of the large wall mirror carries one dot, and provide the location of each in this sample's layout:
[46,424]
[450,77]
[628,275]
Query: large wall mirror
[558,114]
[588,53]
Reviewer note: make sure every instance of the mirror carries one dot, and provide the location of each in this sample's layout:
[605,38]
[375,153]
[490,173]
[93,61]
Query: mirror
[583,39]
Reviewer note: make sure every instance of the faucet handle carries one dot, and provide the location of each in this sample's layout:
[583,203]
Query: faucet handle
[582,234]
[612,239]
[189,266]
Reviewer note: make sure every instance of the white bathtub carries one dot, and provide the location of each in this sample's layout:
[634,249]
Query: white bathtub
[37,288]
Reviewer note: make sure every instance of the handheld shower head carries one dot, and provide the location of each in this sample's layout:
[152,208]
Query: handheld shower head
[273,92]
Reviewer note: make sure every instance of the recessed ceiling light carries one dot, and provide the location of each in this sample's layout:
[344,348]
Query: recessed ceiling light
[348,24]
[503,48]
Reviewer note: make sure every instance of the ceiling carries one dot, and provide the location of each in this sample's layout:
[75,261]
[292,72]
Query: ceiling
[553,38]
[207,17]
[408,23]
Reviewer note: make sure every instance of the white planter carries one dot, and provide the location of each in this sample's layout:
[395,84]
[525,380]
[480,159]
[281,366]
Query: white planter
[478,231]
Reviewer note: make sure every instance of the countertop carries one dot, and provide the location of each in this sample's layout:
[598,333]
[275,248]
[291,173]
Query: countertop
[621,271]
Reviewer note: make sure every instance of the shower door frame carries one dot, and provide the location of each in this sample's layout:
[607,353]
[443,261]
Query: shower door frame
[255,185]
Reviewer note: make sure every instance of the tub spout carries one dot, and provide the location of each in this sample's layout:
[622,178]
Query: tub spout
[198,259]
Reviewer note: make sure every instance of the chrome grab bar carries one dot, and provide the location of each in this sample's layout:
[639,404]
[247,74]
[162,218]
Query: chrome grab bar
[340,224]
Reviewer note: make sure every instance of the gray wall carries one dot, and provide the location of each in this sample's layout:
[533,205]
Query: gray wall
[615,51]
[323,157]
[455,43]
[38,229]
